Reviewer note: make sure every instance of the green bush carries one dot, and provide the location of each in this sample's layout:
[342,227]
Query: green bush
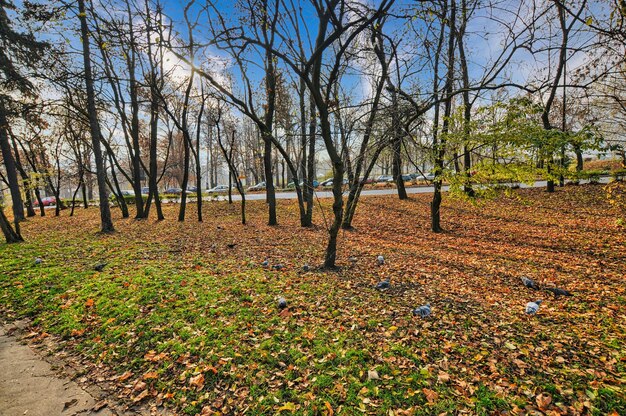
[593,176]
[129,199]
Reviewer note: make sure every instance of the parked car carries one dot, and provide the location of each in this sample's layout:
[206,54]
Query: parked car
[329,182]
[173,191]
[192,189]
[258,187]
[366,181]
[128,192]
[219,188]
[47,201]
[145,190]
[407,178]
[384,178]
[428,177]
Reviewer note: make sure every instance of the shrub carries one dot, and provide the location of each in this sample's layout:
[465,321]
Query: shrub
[129,199]
[593,176]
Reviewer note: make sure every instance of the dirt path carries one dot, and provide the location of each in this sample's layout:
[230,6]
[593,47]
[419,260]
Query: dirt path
[29,386]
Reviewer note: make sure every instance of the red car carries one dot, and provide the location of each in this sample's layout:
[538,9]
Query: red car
[47,201]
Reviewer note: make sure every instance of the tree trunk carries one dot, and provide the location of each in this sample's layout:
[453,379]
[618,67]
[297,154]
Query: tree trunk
[579,159]
[330,256]
[42,210]
[550,184]
[9,164]
[306,221]
[30,212]
[84,195]
[562,165]
[183,195]
[117,191]
[196,158]
[310,165]
[230,187]
[153,188]
[467,104]
[396,146]
[184,128]
[435,205]
[269,179]
[80,185]
[10,235]
[397,167]
[440,145]
[105,212]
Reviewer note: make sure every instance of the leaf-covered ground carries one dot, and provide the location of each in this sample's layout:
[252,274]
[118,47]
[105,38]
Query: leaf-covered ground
[180,319]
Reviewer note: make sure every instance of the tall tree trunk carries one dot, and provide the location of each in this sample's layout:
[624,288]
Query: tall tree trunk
[196,158]
[330,256]
[303,137]
[268,119]
[9,165]
[310,165]
[105,212]
[153,187]
[397,161]
[30,212]
[155,83]
[137,168]
[187,153]
[440,148]
[467,104]
[560,67]
[183,195]
[396,146]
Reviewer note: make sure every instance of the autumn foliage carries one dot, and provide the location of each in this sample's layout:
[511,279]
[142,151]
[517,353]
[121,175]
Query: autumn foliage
[185,316]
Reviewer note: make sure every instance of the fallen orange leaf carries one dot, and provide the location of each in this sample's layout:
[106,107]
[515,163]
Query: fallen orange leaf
[330,409]
[431,395]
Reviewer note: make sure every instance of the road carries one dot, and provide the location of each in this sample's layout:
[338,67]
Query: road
[373,192]
[260,196]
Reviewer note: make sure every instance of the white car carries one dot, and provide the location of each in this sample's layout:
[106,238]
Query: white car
[219,188]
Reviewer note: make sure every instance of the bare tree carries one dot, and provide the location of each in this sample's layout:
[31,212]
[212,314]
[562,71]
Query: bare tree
[105,213]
